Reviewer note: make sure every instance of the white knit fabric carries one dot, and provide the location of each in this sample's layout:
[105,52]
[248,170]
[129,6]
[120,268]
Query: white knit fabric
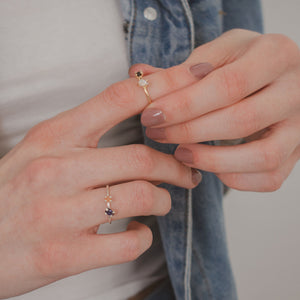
[53,56]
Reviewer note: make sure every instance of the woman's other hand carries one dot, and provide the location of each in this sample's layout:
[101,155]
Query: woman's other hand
[246,85]
[52,189]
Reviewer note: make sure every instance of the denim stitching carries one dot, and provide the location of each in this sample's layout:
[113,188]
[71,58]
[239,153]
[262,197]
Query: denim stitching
[189,16]
[189,228]
[131,29]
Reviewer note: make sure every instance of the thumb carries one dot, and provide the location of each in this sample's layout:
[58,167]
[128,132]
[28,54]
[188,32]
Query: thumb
[83,125]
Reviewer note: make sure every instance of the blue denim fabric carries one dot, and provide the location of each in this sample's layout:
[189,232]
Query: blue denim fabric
[193,233]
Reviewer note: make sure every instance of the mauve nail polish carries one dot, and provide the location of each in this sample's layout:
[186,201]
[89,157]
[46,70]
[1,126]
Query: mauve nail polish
[196,176]
[201,70]
[155,133]
[183,154]
[152,116]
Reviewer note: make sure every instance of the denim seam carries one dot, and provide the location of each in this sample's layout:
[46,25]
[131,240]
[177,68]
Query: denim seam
[131,29]
[189,16]
[189,228]
[188,257]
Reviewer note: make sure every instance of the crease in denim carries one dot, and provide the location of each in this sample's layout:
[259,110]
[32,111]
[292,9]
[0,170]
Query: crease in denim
[188,257]
[189,16]
[203,274]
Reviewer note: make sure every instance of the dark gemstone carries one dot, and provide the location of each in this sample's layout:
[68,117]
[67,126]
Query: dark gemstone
[109,212]
[139,74]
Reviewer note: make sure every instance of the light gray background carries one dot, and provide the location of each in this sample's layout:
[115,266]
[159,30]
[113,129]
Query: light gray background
[263,229]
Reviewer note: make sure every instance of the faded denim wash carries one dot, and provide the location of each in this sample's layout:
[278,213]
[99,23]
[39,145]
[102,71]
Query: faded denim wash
[193,233]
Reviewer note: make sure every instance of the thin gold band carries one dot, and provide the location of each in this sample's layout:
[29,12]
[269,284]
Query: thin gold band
[143,83]
[147,95]
[108,198]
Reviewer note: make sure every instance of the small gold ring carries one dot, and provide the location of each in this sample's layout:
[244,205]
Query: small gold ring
[143,83]
[108,198]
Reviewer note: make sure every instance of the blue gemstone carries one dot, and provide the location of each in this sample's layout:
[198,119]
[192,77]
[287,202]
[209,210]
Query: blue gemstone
[109,212]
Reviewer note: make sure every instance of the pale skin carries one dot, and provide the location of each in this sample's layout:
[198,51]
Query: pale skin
[253,92]
[52,190]
[52,184]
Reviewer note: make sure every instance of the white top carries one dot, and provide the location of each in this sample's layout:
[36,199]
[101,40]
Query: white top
[53,56]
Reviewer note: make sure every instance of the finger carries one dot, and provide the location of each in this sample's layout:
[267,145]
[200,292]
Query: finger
[135,198]
[85,124]
[224,86]
[224,49]
[269,106]
[261,182]
[122,247]
[146,69]
[265,154]
[97,167]
[92,251]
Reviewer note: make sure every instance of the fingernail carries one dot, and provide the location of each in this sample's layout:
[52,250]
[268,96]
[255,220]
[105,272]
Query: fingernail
[201,70]
[184,155]
[196,176]
[156,133]
[152,116]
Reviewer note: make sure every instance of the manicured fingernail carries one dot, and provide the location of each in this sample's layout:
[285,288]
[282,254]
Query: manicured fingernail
[196,176]
[152,116]
[156,133]
[184,155]
[201,70]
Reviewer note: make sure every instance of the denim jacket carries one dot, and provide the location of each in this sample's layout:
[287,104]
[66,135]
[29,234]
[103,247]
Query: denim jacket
[193,233]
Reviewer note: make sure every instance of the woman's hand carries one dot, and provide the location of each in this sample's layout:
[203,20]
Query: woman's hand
[246,85]
[52,189]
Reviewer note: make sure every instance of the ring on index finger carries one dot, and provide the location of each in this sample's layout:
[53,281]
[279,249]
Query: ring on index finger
[143,83]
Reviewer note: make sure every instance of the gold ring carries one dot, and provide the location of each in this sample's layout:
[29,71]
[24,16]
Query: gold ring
[143,83]
[108,198]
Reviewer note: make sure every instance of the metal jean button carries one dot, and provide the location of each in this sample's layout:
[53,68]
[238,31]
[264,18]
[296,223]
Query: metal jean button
[150,13]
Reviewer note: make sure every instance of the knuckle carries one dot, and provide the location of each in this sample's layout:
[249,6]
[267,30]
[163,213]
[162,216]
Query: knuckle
[141,158]
[184,104]
[43,134]
[282,41]
[236,31]
[119,94]
[274,181]
[231,180]
[246,121]
[42,171]
[233,84]
[170,78]
[272,157]
[143,197]
[186,131]
[280,46]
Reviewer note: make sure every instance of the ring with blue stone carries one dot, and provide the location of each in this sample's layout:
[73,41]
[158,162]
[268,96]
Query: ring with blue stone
[108,198]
